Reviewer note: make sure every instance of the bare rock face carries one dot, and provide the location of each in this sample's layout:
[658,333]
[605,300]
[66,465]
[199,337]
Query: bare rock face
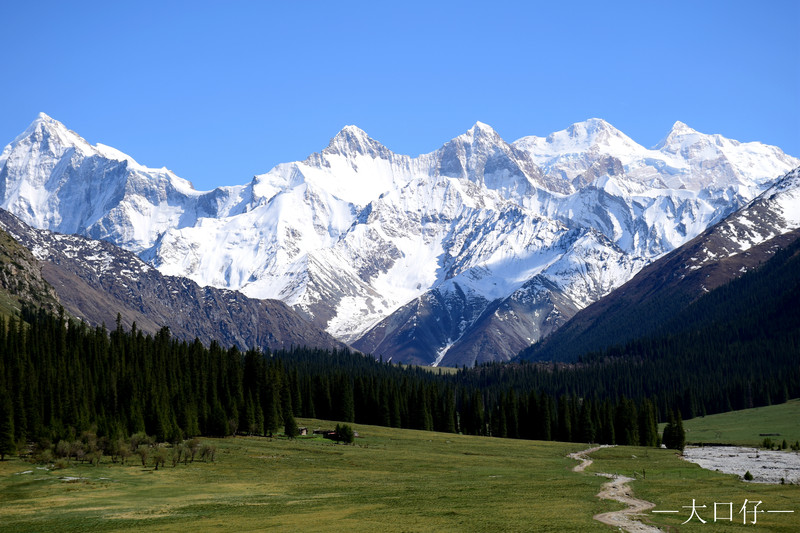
[21,280]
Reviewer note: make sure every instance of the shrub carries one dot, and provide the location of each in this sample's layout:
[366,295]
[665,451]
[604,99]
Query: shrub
[208,452]
[748,476]
[344,433]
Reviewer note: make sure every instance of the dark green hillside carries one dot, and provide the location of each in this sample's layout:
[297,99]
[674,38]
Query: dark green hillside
[656,301]
[736,347]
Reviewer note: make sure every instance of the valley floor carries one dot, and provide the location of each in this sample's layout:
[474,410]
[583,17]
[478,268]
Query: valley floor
[389,480]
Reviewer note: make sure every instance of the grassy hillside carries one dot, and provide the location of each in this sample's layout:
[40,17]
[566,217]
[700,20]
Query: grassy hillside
[747,426]
[390,480]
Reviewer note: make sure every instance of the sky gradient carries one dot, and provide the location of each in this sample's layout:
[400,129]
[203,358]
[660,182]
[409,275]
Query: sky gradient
[218,92]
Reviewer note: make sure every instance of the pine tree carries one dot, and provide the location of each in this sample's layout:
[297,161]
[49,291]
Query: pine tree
[290,428]
[7,443]
[586,426]
[648,430]
[680,434]
[674,435]
[564,419]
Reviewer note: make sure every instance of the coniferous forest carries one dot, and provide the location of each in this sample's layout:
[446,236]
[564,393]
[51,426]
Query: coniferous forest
[60,377]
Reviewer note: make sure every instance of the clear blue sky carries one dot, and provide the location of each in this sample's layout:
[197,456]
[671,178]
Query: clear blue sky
[220,91]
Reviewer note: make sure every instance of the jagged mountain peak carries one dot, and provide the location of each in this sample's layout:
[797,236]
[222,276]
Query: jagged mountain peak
[482,129]
[51,135]
[352,140]
[592,134]
[589,127]
[45,128]
[53,178]
[482,156]
[44,120]
[677,132]
[480,132]
[681,127]
[352,131]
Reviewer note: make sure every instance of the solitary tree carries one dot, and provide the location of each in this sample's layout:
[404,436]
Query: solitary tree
[143,451]
[159,456]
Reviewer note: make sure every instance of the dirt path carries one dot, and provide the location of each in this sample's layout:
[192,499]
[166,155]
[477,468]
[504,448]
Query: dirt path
[617,489]
[583,457]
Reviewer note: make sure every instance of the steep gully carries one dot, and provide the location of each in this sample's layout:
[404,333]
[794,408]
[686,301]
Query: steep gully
[617,489]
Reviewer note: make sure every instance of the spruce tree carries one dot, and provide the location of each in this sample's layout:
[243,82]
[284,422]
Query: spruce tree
[7,443]
[290,428]
[680,434]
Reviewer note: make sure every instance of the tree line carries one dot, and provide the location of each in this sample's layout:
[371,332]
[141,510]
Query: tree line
[60,378]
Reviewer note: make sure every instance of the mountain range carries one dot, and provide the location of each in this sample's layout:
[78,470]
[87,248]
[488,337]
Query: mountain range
[469,253]
[663,290]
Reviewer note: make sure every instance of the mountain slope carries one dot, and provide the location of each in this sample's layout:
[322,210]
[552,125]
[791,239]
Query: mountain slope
[479,248]
[741,242]
[21,281]
[95,280]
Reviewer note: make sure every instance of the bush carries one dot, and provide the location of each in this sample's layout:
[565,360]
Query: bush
[193,445]
[748,476]
[344,433]
[43,456]
[208,452]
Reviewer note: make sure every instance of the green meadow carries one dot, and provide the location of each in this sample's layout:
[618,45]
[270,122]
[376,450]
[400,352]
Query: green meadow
[389,480]
[749,426]
[672,484]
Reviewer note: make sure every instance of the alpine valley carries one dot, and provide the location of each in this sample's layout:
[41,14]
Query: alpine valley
[467,254]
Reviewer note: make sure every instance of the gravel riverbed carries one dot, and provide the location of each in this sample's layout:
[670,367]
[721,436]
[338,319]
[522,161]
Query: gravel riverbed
[766,466]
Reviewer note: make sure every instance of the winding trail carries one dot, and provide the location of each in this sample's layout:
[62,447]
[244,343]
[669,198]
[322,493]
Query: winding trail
[617,489]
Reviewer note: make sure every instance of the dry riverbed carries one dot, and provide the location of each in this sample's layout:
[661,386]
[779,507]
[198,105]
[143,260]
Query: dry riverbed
[766,466]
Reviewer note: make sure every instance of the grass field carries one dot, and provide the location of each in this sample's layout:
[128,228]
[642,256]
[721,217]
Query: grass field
[746,427]
[390,480]
[672,483]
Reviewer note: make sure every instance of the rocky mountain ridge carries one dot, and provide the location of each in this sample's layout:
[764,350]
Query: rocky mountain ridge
[741,242]
[470,252]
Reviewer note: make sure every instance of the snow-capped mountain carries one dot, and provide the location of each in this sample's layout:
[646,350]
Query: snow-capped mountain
[472,251]
[53,179]
[741,242]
